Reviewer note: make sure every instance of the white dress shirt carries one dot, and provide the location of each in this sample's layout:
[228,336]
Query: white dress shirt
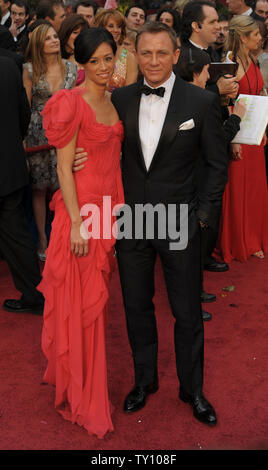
[197,45]
[152,113]
[248,12]
[5,17]
[19,31]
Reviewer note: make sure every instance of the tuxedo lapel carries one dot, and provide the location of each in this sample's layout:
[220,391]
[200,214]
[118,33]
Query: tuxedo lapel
[175,115]
[132,125]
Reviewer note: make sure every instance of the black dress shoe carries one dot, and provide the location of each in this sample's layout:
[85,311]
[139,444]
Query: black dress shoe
[206,316]
[136,399]
[205,297]
[216,267]
[20,306]
[202,409]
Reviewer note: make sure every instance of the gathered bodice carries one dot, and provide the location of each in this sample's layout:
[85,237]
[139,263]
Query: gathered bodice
[66,112]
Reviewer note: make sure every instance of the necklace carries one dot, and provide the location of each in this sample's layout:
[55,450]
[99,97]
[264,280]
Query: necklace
[255,68]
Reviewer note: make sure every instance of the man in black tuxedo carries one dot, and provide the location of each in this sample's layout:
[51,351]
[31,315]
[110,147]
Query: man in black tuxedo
[16,244]
[243,7]
[7,47]
[5,13]
[260,10]
[165,131]
[199,31]
[19,14]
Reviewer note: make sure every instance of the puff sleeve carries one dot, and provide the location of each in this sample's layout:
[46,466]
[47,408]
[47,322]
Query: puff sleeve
[61,118]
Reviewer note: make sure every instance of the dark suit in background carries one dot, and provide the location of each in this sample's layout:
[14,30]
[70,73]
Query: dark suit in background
[16,244]
[8,47]
[210,236]
[6,39]
[171,179]
[18,59]
[7,23]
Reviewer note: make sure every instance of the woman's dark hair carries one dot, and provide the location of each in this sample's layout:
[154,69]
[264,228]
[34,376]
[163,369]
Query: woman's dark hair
[176,18]
[69,24]
[89,40]
[191,61]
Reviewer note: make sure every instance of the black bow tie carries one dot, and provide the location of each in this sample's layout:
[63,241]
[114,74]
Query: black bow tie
[154,91]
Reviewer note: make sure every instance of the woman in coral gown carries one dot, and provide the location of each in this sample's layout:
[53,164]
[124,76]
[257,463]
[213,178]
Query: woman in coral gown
[244,222]
[76,274]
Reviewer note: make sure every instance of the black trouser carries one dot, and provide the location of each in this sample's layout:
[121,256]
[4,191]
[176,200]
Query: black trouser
[182,275]
[17,247]
[209,238]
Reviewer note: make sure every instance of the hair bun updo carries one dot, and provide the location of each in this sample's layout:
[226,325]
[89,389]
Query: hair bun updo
[88,41]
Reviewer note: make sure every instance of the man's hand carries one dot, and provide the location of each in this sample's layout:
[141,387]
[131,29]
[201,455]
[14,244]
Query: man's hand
[232,95]
[240,108]
[228,86]
[202,224]
[14,30]
[79,159]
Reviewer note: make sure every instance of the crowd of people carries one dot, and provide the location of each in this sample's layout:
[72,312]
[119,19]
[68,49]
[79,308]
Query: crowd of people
[98,101]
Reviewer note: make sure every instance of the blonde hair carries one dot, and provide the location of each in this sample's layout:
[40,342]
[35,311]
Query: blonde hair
[179,5]
[35,55]
[239,25]
[131,34]
[102,18]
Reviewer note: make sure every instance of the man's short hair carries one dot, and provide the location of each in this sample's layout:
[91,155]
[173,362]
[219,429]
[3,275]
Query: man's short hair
[154,27]
[87,4]
[135,5]
[224,16]
[21,4]
[45,8]
[193,11]
[70,3]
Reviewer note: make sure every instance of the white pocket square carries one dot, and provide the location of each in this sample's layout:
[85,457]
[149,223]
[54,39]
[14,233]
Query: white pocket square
[187,125]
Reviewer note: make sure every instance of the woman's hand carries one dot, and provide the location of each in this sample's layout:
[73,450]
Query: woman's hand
[79,240]
[264,139]
[236,152]
[79,159]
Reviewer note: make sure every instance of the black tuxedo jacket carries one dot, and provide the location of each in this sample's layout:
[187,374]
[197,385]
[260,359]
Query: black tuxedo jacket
[172,176]
[15,116]
[8,22]
[6,39]
[211,52]
[18,59]
[22,34]
[211,86]
[22,42]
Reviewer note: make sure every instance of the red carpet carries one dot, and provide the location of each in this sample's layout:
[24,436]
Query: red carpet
[236,375]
